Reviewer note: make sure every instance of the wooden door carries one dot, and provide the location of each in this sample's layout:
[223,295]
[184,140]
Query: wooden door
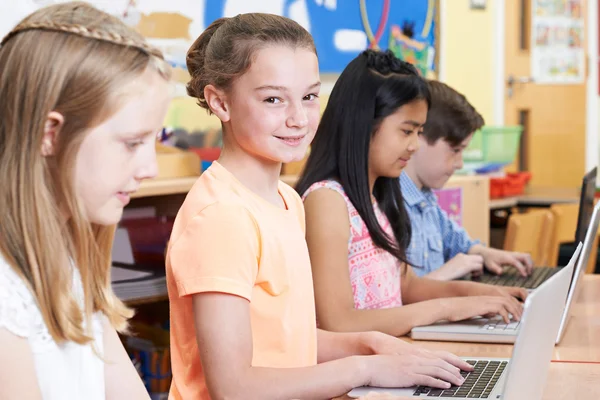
[553,115]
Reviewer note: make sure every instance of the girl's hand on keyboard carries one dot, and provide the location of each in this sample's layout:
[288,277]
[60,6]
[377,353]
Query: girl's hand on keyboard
[410,370]
[503,291]
[380,343]
[461,308]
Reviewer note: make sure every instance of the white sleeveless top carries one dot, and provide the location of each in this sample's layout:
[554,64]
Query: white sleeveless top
[66,371]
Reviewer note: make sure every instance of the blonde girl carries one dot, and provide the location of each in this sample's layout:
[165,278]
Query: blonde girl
[83,97]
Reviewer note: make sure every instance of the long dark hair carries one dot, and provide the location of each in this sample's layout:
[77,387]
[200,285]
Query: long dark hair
[373,86]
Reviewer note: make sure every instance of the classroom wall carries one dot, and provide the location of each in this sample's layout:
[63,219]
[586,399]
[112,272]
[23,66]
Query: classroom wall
[467,52]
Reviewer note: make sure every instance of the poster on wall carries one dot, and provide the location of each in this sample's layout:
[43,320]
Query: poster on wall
[343,28]
[557,52]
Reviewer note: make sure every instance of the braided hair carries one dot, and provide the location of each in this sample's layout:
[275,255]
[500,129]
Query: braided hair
[96,30]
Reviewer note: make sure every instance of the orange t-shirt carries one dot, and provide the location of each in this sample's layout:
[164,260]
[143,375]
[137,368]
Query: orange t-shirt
[228,239]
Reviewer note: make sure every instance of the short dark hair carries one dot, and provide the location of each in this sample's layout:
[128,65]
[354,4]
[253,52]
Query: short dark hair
[451,117]
[373,86]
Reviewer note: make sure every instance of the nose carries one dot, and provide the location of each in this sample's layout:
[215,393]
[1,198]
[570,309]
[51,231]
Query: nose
[298,117]
[147,165]
[413,144]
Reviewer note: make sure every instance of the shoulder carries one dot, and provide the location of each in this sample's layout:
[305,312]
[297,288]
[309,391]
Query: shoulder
[327,212]
[212,233]
[215,217]
[330,184]
[19,313]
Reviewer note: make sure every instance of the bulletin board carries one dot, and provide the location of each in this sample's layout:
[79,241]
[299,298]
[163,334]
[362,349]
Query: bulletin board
[342,29]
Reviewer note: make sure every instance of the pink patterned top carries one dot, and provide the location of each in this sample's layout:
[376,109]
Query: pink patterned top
[374,273]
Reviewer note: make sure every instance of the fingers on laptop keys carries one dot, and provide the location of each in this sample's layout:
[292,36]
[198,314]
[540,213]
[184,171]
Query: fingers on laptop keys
[408,370]
[453,359]
[509,307]
[517,292]
[461,308]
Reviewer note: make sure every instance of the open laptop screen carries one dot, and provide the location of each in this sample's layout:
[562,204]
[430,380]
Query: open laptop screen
[586,204]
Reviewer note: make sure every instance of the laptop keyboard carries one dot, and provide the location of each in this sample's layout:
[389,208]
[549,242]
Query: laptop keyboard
[512,277]
[478,384]
[498,324]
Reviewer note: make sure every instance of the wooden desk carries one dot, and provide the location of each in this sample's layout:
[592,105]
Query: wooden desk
[546,196]
[538,197]
[581,341]
[575,370]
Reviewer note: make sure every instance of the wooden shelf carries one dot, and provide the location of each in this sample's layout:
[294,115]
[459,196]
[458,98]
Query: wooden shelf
[146,300]
[165,187]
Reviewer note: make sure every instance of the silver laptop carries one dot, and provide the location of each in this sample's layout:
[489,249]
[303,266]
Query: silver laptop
[521,377]
[582,263]
[495,330]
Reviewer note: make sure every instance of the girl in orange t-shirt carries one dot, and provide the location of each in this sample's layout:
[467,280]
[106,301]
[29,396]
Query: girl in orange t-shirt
[242,305]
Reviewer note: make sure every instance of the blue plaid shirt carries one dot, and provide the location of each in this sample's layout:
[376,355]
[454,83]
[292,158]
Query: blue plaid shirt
[435,237]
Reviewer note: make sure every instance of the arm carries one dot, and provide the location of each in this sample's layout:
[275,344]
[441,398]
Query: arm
[121,379]
[415,289]
[227,353]
[327,233]
[17,373]
[336,345]
[459,266]
[463,300]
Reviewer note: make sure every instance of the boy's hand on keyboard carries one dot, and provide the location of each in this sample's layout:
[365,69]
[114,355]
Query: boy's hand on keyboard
[461,308]
[495,259]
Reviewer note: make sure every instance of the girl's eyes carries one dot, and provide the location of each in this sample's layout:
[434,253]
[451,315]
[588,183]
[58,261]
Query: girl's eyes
[410,132]
[133,144]
[277,100]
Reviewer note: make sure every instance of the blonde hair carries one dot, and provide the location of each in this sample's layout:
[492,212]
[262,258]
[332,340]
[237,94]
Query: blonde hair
[73,59]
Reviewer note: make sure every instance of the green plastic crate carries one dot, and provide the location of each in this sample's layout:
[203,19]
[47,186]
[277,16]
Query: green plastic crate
[497,144]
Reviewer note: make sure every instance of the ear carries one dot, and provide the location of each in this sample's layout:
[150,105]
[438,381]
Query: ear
[217,101]
[52,126]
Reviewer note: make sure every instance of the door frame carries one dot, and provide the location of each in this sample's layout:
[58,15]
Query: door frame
[592,125]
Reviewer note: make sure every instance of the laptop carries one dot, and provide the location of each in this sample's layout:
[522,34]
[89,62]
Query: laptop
[521,377]
[512,277]
[582,263]
[491,330]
